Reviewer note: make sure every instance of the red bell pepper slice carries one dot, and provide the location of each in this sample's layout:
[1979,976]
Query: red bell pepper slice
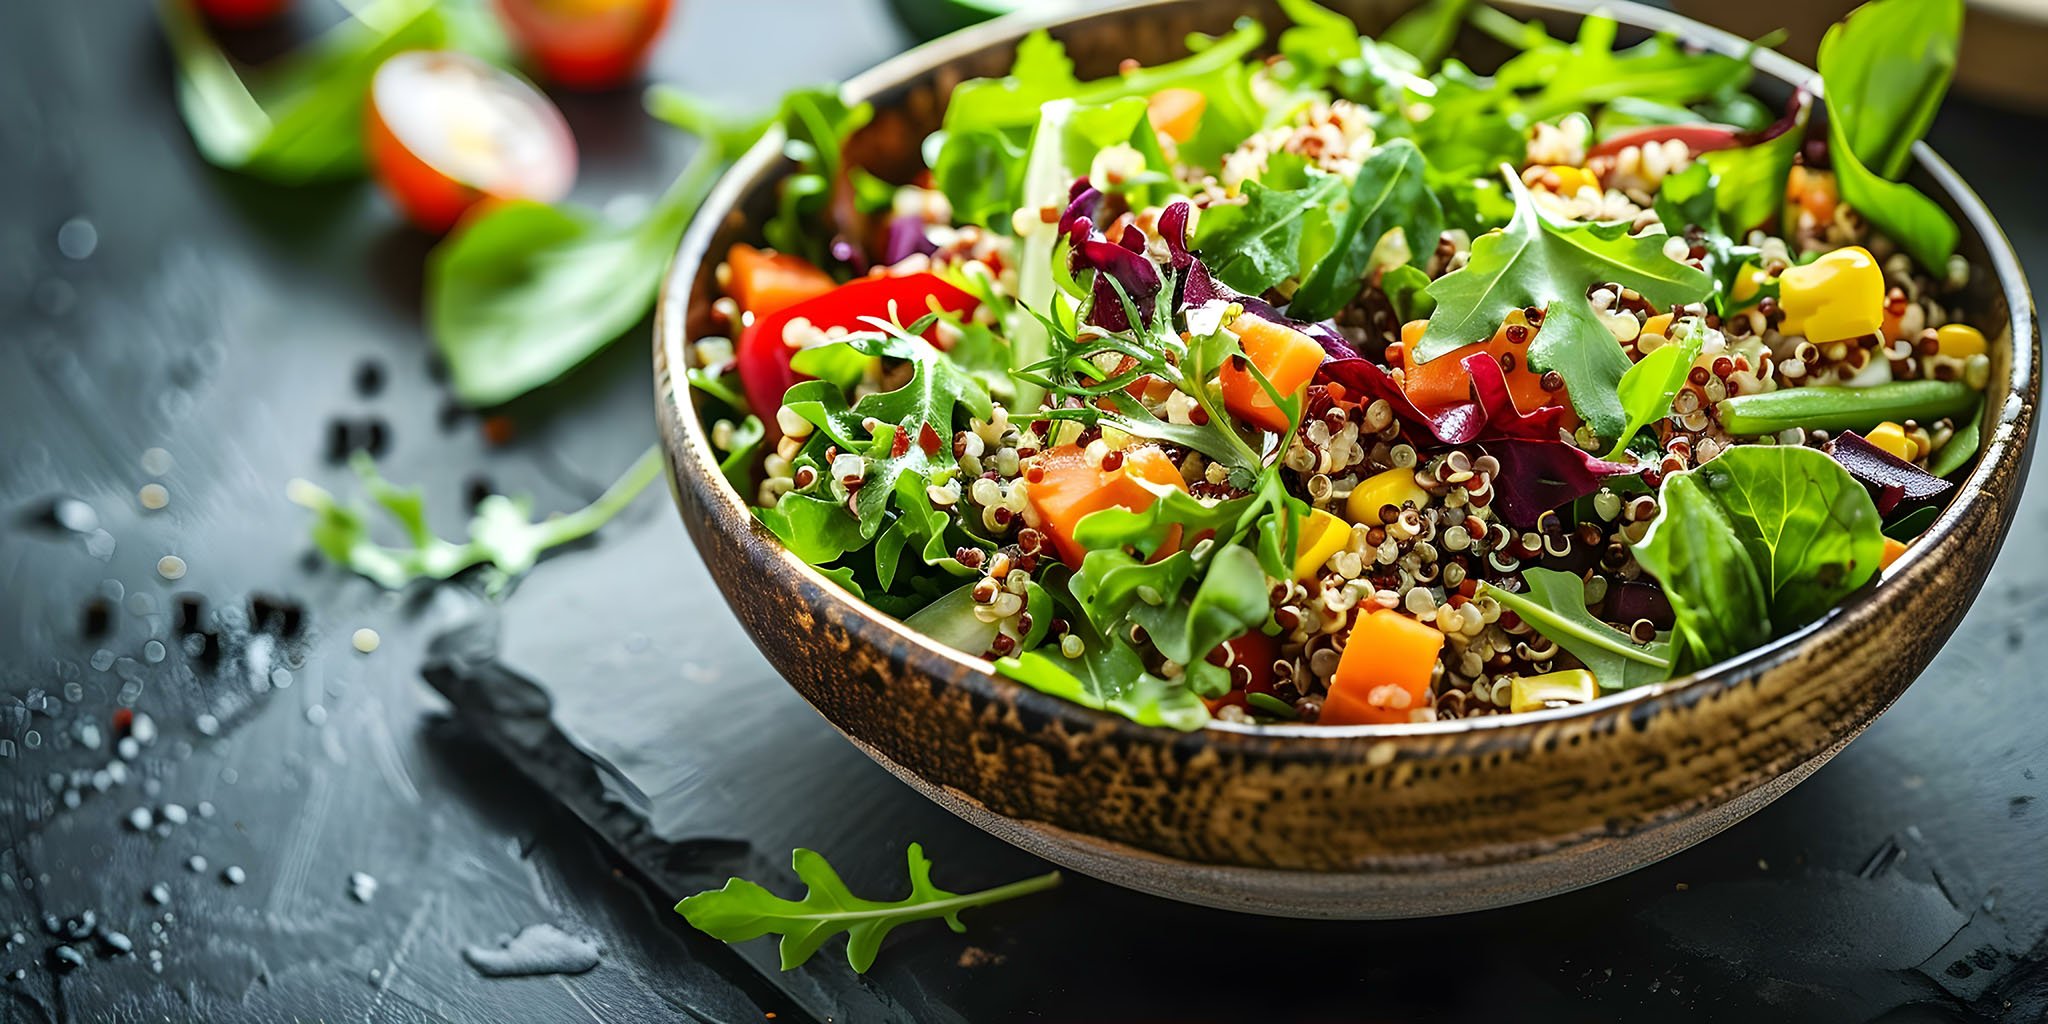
[763,359]
[1699,138]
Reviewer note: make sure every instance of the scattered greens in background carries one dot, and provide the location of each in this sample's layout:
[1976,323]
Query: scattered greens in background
[502,534]
[743,910]
[299,119]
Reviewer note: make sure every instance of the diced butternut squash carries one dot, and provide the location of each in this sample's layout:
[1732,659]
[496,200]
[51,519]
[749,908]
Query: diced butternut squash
[1072,485]
[1443,381]
[1392,487]
[1533,693]
[1383,676]
[1177,112]
[765,283]
[1893,550]
[1322,535]
[1287,357]
[1659,324]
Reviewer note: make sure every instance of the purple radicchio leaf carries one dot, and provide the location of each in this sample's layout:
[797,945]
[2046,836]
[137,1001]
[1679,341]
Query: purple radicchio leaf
[1895,485]
[906,238]
[1123,260]
[1198,289]
[1537,476]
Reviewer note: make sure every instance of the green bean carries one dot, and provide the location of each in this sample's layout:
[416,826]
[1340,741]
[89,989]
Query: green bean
[1836,408]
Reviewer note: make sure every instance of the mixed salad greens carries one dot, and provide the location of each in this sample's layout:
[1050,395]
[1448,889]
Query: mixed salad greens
[1349,384]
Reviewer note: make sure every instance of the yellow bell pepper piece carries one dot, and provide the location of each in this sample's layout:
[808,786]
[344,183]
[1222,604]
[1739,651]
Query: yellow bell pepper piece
[1836,297]
[1749,280]
[1892,438]
[1961,341]
[1322,535]
[1380,490]
[1532,693]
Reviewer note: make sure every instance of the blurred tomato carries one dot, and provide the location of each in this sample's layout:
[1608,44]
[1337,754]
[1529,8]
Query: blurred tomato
[586,44]
[447,131]
[239,13]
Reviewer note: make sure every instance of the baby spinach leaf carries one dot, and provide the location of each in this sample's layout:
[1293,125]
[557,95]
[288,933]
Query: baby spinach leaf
[982,175]
[1758,542]
[1719,603]
[817,530]
[1810,527]
[743,910]
[522,294]
[1254,245]
[1885,68]
[1389,192]
[1537,261]
[501,534]
[1750,189]
[1648,387]
[1555,606]
[299,119]
[1407,288]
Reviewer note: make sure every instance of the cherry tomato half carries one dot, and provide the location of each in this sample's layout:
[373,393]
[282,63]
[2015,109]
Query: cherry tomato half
[447,131]
[1699,138]
[586,44]
[241,13]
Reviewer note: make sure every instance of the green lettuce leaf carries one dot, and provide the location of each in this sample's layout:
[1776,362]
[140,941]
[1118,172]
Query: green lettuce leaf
[1555,606]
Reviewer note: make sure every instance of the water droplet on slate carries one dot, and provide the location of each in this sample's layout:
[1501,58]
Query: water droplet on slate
[362,887]
[128,748]
[89,735]
[156,462]
[160,894]
[205,809]
[206,724]
[173,813]
[77,238]
[75,515]
[537,949]
[64,960]
[317,714]
[153,652]
[140,819]
[100,545]
[195,863]
[115,944]
[234,875]
[143,728]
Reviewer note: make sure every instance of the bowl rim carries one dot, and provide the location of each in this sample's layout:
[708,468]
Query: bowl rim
[2007,436]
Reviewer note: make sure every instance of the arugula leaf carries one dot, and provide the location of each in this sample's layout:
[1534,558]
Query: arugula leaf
[1588,71]
[1536,261]
[1108,676]
[1043,73]
[299,119]
[913,427]
[1648,387]
[1389,192]
[1257,244]
[743,910]
[1555,606]
[501,534]
[1758,542]
[1886,67]
[520,295]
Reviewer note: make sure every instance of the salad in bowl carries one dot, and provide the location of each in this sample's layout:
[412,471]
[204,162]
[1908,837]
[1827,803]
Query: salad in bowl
[1324,379]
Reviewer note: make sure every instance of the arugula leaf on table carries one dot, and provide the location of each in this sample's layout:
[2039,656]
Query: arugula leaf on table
[1555,606]
[501,534]
[520,295]
[1390,191]
[1758,542]
[1885,69]
[1537,261]
[299,119]
[1256,244]
[743,910]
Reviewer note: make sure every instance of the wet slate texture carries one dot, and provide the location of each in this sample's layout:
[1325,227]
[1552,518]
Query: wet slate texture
[225,321]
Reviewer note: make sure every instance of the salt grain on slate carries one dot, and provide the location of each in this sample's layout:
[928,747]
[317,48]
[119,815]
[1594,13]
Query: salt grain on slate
[537,949]
[195,863]
[234,875]
[140,819]
[160,894]
[173,813]
[114,943]
[143,728]
[362,887]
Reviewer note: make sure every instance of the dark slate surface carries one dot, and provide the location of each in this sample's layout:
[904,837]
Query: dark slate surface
[224,321]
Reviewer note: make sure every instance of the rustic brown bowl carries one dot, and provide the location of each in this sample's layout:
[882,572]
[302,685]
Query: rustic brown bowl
[1360,821]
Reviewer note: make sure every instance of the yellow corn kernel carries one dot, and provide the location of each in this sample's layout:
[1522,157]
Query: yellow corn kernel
[1533,693]
[1571,179]
[1892,438]
[1961,341]
[1322,535]
[1835,298]
[1749,280]
[1380,490]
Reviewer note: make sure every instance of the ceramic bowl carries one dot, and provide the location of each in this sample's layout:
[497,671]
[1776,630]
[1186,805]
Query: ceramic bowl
[1360,821]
